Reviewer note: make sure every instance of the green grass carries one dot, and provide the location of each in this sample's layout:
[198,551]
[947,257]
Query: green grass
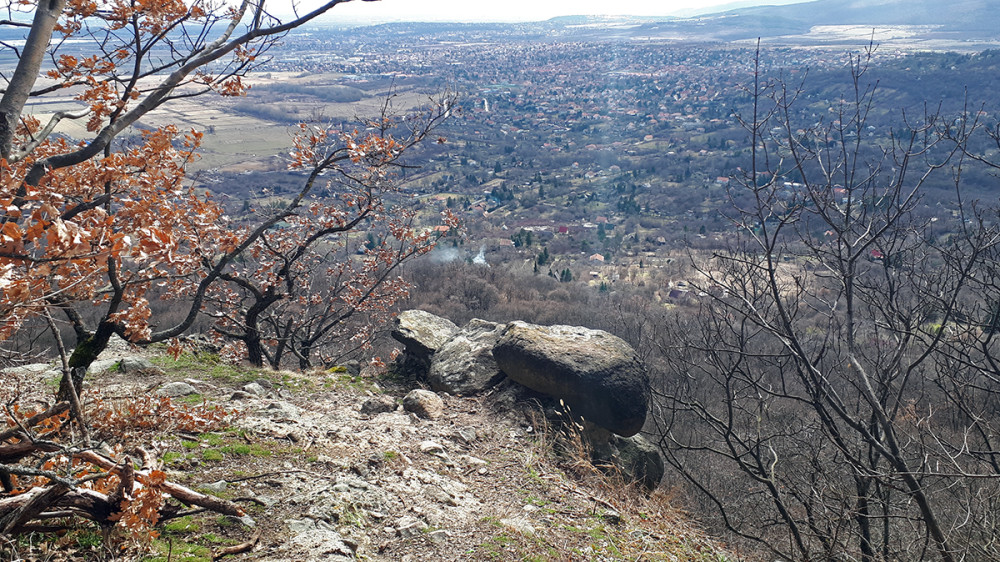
[171,456]
[246,449]
[211,455]
[341,379]
[88,538]
[182,525]
[212,439]
[168,550]
[206,364]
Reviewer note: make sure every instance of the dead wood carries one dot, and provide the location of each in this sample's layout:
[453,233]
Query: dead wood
[13,453]
[182,494]
[35,504]
[55,410]
[239,548]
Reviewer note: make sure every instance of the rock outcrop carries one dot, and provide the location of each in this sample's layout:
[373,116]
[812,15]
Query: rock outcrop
[598,375]
[638,460]
[422,332]
[464,365]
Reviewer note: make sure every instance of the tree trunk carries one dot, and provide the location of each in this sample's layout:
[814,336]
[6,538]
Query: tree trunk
[86,352]
[255,351]
[304,352]
[28,65]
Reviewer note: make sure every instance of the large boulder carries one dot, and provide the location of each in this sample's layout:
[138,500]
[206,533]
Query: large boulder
[464,365]
[422,332]
[597,374]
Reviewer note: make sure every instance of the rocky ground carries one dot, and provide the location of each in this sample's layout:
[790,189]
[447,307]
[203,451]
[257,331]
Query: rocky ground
[335,465]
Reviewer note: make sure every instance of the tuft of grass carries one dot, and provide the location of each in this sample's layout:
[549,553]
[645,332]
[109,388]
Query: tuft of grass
[172,456]
[169,550]
[192,399]
[205,364]
[344,380]
[182,525]
[211,455]
[212,439]
[89,539]
[246,449]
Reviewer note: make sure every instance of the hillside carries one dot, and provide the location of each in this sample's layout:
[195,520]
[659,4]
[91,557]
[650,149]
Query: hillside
[330,467]
[964,24]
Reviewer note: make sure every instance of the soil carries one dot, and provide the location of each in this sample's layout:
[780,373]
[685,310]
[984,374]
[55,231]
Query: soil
[321,480]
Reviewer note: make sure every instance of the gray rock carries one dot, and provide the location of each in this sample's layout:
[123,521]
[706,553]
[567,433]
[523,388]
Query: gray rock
[244,520]
[284,409]
[409,526]
[135,365]
[319,544]
[255,389]
[422,332]
[438,536]
[464,365]
[441,496]
[216,487]
[353,367]
[32,369]
[638,460]
[103,365]
[466,434]
[175,389]
[297,526]
[378,405]
[598,375]
[431,448]
[424,404]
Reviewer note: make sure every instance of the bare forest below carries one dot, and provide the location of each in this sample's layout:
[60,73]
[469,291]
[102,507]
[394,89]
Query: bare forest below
[802,243]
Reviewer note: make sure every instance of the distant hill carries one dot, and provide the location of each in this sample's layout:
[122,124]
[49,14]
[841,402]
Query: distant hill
[957,22]
[956,15]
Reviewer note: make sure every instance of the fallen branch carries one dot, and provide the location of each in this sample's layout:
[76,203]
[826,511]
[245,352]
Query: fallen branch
[63,496]
[182,494]
[55,410]
[16,511]
[17,451]
[36,504]
[239,548]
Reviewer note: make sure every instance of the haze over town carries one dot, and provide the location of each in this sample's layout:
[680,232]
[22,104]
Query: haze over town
[523,10]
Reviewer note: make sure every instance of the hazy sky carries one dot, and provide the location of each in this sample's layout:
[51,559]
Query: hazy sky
[520,10]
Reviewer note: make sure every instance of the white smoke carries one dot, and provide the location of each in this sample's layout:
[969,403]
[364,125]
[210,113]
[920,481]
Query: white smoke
[480,258]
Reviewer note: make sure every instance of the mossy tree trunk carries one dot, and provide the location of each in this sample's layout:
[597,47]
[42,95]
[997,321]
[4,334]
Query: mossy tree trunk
[86,352]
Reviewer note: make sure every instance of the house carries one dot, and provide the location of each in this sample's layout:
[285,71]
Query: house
[596,257]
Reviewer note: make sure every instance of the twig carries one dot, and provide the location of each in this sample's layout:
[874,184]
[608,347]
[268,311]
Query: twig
[237,549]
[74,396]
[577,491]
[251,500]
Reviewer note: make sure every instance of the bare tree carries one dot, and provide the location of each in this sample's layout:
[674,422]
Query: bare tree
[307,283]
[103,222]
[835,395]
